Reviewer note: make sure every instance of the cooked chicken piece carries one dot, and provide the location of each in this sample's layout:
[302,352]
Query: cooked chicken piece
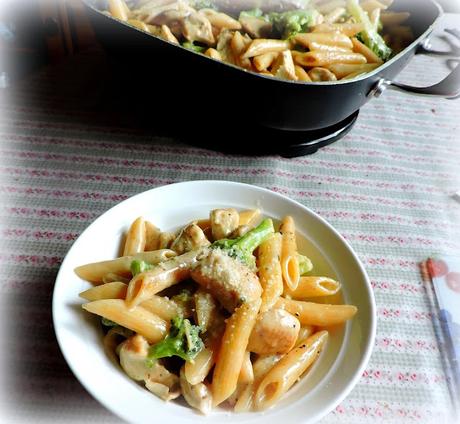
[284,66]
[190,238]
[256,27]
[196,27]
[220,20]
[227,279]
[169,17]
[223,222]
[167,34]
[165,240]
[205,309]
[197,396]
[224,48]
[321,74]
[133,355]
[275,332]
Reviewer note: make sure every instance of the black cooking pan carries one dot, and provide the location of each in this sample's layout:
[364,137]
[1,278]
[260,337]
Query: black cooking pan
[174,79]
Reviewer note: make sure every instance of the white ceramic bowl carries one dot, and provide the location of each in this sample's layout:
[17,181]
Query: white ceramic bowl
[80,337]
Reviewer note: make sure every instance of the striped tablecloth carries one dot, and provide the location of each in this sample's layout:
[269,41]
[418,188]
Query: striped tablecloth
[387,187]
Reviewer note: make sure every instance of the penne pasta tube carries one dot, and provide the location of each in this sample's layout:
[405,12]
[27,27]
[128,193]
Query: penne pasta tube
[197,370]
[288,370]
[302,74]
[314,287]
[321,74]
[329,6]
[138,24]
[359,47]
[262,63]
[342,69]
[135,240]
[246,375]
[304,333]
[152,236]
[289,259]
[263,45]
[114,290]
[261,366]
[335,39]
[165,308]
[118,9]
[205,309]
[95,272]
[144,285]
[250,217]
[270,275]
[220,20]
[348,29]
[213,53]
[167,34]
[319,314]
[325,59]
[112,277]
[239,44]
[334,15]
[138,320]
[353,75]
[328,48]
[284,66]
[232,350]
[370,5]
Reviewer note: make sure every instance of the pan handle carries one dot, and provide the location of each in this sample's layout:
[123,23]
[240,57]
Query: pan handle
[448,88]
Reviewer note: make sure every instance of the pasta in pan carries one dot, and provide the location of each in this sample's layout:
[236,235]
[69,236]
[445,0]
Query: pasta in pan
[212,317]
[306,41]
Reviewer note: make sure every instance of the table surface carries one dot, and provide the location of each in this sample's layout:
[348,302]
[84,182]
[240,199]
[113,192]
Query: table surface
[387,187]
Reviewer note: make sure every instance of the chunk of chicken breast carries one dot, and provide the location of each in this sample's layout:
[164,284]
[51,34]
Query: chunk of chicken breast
[223,222]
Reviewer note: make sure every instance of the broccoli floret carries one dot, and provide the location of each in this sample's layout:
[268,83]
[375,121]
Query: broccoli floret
[138,266]
[108,323]
[191,46]
[254,13]
[305,264]
[203,4]
[288,24]
[183,341]
[370,37]
[242,247]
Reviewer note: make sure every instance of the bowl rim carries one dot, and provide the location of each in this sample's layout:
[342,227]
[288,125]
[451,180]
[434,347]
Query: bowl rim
[315,416]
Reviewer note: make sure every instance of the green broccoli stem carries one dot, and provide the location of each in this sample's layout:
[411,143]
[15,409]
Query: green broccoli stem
[242,248]
[369,36]
[305,264]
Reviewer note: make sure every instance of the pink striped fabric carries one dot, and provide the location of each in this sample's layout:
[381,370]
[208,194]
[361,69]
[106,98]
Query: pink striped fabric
[387,187]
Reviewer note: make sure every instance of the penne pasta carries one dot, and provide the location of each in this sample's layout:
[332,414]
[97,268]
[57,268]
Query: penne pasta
[95,272]
[118,9]
[261,367]
[138,24]
[152,236]
[288,370]
[112,277]
[289,259]
[213,53]
[314,287]
[165,308]
[261,63]
[205,309]
[328,48]
[348,29]
[322,315]
[359,47]
[139,320]
[342,69]
[196,371]
[135,240]
[144,285]
[302,74]
[335,39]
[304,333]
[270,274]
[239,44]
[251,216]
[114,290]
[232,350]
[334,15]
[246,375]
[262,46]
[325,59]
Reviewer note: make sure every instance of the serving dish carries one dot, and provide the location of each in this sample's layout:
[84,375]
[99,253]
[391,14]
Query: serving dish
[79,336]
[183,82]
